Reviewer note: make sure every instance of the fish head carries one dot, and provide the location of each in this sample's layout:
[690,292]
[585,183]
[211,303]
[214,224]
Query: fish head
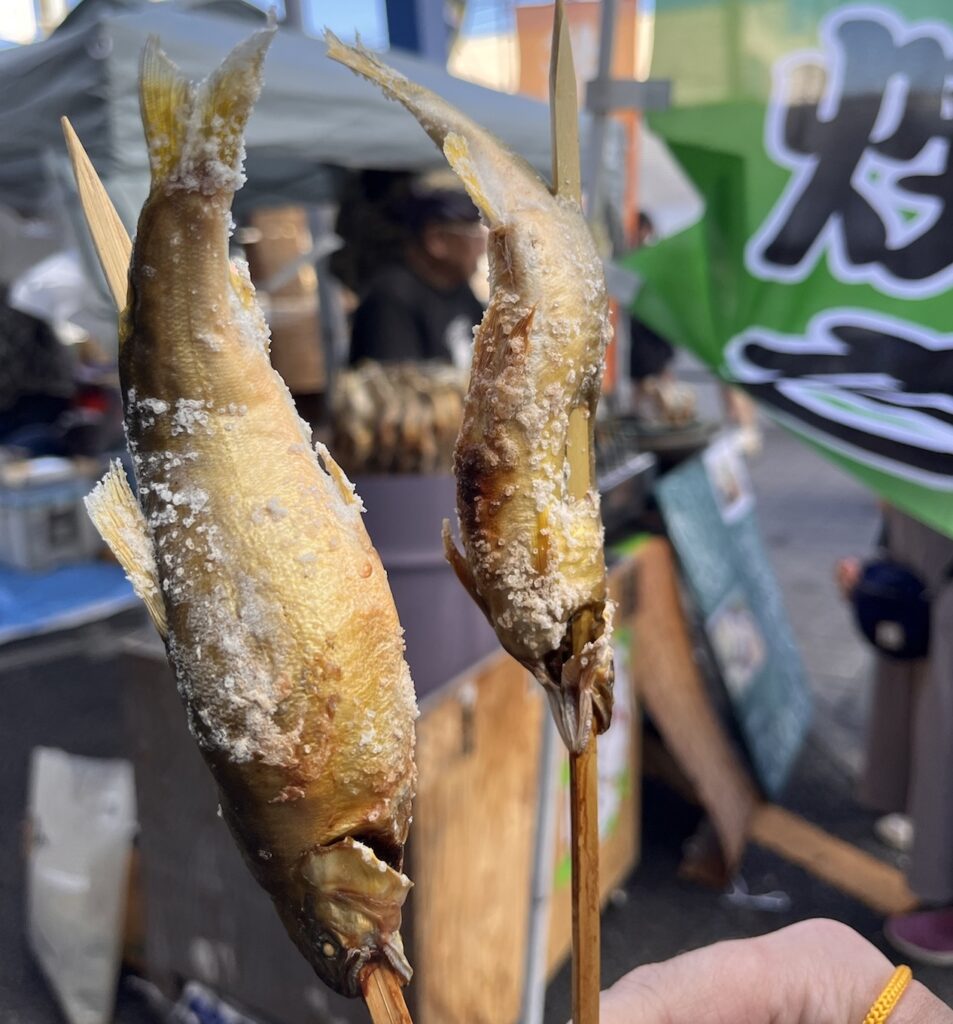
[350,914]
[578,678]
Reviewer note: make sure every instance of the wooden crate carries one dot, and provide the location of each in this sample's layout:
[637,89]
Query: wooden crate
[471,851]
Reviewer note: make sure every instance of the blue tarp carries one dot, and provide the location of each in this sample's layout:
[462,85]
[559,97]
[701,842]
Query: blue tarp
[34,603]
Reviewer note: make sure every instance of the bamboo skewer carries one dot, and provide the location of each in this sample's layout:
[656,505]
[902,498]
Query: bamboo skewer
[584,837]
[564,110]
[583,767]
[384,996]
[381,987]
[110,238]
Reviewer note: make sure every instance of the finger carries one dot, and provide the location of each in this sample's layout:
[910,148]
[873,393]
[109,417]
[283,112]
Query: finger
[716,984]
[820,971]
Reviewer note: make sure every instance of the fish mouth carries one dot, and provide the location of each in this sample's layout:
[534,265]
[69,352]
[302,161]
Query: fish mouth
[361,961]
[357,961]
[578,683]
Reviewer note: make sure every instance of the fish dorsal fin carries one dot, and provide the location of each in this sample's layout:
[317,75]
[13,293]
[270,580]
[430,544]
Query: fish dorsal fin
[116,515]
[166,98]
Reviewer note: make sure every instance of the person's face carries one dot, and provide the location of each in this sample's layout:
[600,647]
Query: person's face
[456,246]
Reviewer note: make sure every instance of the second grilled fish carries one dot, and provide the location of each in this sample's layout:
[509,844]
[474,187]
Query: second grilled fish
[534,549]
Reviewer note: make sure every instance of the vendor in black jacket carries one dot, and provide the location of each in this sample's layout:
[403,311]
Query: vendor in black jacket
[423,308]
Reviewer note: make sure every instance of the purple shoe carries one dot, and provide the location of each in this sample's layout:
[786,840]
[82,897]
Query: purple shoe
[926,936]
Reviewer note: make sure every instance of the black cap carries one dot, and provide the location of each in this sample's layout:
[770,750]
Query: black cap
[438,206]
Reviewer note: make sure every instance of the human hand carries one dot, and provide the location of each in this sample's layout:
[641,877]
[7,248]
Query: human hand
[820,972]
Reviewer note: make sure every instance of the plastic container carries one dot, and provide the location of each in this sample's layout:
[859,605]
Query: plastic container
[43,523]
[445,631]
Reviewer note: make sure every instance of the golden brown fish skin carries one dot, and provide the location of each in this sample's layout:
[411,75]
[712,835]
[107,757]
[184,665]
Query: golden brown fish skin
[534,550]
[281,627]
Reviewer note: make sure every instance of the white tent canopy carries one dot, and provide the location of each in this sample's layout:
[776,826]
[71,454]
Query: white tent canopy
[314,121]
[313,115]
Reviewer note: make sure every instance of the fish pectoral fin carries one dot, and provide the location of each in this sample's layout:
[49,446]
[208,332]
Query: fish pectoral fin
[461,568]
[195,133]
[457,151]
[116,515]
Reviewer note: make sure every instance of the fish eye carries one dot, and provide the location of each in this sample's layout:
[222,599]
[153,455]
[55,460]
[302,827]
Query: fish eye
[329,948]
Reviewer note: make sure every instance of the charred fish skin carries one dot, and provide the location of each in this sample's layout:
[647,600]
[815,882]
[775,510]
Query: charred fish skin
[534,557]
[275,609]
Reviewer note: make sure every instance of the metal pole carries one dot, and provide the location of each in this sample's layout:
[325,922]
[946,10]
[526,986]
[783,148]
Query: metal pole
[294,15]
[537,940]
[595,150]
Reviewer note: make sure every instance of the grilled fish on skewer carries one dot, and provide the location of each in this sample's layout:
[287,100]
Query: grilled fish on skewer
[534,553]
[250,551]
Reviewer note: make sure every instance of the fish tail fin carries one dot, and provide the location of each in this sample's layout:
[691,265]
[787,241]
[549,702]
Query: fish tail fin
[166,98]
[195,132]
[364,62]
[485,165]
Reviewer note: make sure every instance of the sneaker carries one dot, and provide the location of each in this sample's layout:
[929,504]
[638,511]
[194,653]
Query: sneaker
[896,831]
[926,936]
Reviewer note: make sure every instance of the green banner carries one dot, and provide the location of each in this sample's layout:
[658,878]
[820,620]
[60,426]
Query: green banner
[820,275]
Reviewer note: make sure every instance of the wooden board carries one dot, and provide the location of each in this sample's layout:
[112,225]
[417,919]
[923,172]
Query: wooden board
[856,872]
[671,689]
[670,686]
[471,850]
[472,846]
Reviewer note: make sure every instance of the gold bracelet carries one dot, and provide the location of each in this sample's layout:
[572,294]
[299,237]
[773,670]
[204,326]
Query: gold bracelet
[890,996]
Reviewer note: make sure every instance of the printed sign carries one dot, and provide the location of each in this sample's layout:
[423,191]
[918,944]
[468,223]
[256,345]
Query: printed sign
[709,511]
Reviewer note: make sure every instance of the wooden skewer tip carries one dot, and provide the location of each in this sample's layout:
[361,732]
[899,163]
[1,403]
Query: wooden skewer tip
[110,238]
[384,996]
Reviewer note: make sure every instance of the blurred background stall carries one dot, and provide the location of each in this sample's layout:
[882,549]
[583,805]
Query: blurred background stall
[725,807]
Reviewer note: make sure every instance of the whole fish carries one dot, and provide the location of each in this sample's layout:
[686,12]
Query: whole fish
[534,550]
[249,549]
